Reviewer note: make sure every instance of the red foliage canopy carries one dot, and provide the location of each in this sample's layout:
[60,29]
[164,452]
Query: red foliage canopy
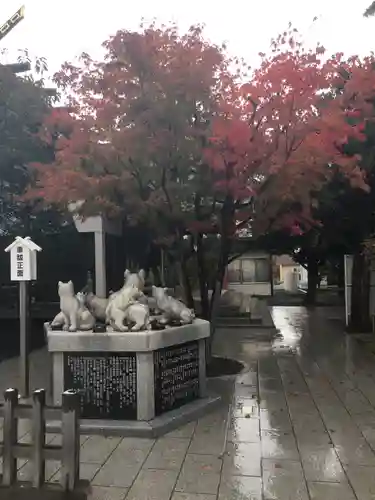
[276,140]
[133,119]
[144,124]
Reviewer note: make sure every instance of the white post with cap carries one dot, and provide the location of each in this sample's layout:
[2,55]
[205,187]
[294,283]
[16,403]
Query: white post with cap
[23,268]
[99,225]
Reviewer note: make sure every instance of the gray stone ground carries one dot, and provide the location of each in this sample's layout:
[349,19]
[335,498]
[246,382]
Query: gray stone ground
[302,425]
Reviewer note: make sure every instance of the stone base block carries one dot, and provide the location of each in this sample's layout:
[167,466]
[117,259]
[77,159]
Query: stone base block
[153,428]
[125,376]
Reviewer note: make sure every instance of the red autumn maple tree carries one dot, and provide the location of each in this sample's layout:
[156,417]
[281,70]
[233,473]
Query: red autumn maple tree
[274,143]
[130,139]
[163,130]
[134,123]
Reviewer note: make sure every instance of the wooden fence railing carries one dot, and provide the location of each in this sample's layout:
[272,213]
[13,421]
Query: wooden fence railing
[38,452]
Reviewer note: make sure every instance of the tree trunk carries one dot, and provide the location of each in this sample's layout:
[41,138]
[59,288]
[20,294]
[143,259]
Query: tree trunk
[226,223]
[214,308]
[219,275]
[185,282]
[312,280]
[202,278]
[360,321]
[157,276]
[201,264]
[216,292]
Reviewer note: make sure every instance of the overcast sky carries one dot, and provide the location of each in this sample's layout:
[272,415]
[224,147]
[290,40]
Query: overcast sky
[61,30]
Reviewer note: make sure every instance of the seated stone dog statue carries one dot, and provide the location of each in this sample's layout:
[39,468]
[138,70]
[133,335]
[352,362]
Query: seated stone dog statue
[171,309]
[74,315]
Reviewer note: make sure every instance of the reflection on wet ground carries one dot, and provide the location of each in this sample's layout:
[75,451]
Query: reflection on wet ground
[301,424]
[303,416]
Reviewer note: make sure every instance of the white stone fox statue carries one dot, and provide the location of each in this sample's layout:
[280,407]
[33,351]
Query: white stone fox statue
[135,279]
[139,314]
[171,308]
[98,305]
[118,304]
[74,314]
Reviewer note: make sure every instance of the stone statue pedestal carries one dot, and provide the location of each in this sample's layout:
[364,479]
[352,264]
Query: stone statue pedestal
[133,383]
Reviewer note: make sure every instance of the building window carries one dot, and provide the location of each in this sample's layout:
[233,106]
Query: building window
[234,271]
[249,270]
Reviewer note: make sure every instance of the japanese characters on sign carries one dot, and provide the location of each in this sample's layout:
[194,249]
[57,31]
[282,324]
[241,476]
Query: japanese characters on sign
[107,382]
[176,370]
[23,259]
[19,258]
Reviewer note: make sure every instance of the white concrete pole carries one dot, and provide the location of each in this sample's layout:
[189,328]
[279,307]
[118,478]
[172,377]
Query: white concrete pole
[100,267]
[162,268]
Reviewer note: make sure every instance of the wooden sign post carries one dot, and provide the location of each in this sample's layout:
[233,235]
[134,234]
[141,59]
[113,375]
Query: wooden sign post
[23,269]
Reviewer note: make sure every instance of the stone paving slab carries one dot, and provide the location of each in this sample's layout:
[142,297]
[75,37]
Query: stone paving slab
[301,426]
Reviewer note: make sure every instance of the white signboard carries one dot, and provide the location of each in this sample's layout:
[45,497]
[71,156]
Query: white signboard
[23,265]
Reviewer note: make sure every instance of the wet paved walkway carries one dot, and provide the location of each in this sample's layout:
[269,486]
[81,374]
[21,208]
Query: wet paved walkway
[302,426]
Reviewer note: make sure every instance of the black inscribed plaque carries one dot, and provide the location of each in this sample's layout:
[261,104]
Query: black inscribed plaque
[107,383]
[176,371]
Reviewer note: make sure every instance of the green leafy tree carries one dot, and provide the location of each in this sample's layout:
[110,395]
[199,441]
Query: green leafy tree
[24,104]
[336,229]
